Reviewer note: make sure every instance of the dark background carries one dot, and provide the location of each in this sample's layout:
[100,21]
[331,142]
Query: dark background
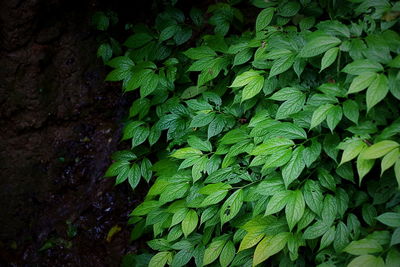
[59,123]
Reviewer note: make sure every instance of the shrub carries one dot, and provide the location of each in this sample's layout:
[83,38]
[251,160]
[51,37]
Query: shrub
[266,139]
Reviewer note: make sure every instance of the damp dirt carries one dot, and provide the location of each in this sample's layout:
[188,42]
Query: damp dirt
[59,124]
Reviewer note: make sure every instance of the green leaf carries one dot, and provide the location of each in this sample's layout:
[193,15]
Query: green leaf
[202,119]
[341,237]
[213,251]
[227,254]
[271,146]
[186,152]
[145,207]
[318,45]
[149,84]
[361,82]
[277,202]
[137,40]
[316,230]
[179,216]
[379,149]
[140,135]
[351,110]
[116,168]
[329,57]
[183,35]
[294,167]
[212,188]
[214,198]
[333,117]
[134,176]
[367,261]
[216,126]
[250,240]
[391,219]
[329,210]
[270,186]
[286,130]
[160,259]
[392,258]
[278,159]
[362,66]
[242,57]
[352,150]
[264,18]
[327,238]
[313,196]
[291,106]
[197,16]
[286,93]
[397,171]
[289,9]
[200,52]
[369,214]
[253,87]
[269,246]
[182,257]
[232,206]
[197,143]
[395,237]
[311,153]
[320,115]
[389,159]
[245,78]
[363,247]
[377,91]
[364,166]
[118,75]
[281,65]
[174,191]
[154,134]
[326,179]
[190,222]
[294,208]
[122,62]
[168,32]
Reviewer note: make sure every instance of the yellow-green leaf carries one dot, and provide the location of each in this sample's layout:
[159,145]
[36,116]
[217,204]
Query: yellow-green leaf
[361,82]
[397,171]
[190,222]
[186,152]
[367,261]
[227,254]
[379,149]
[245,78]
[160,259]
[270,246]
[352,150]
[253,87]
[213,251]
[294,208]
[329,57]
[377,91]
[389,159]
[319,115]
[364,166]
[363,247]
[250,240]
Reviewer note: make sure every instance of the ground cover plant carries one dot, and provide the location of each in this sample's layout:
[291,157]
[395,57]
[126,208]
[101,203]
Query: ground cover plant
[268,131]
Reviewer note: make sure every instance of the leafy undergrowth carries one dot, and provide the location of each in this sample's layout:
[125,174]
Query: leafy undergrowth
[268,140]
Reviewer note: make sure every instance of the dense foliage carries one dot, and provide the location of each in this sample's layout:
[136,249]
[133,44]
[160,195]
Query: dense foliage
[269,139]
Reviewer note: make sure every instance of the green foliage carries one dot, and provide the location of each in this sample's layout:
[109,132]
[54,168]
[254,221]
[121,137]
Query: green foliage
[261,135]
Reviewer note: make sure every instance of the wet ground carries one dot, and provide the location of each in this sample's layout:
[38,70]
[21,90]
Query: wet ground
[59,123]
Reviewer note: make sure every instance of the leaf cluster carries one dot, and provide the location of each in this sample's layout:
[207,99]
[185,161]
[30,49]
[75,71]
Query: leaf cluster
[267,140]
